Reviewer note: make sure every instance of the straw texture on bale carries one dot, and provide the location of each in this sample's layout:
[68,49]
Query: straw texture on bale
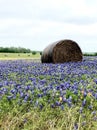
[62,51]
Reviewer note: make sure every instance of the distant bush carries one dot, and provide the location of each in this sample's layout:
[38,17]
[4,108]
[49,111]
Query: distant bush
[40,53]
[34,52]
[28,55]
[5,55]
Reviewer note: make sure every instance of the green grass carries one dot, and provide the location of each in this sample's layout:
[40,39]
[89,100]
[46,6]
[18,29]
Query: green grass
[7,56]
[16,117]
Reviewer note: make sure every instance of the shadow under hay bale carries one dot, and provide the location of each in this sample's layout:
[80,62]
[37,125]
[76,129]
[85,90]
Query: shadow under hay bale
[62,51]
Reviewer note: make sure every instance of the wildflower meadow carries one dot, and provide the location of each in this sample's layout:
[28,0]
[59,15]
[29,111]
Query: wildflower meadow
[36,96]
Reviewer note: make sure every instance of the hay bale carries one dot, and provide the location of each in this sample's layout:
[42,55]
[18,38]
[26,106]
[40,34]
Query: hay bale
[62,51]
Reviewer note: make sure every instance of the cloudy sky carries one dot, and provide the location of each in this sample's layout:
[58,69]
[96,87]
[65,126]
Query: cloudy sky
[36,23]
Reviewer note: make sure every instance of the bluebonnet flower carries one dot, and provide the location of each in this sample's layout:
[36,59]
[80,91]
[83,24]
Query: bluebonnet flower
[69,103]
[95,95]
[64,100]
[9,97]
[70,98]
[1,85]
[13,91]
[39,95]
[57,87]
[81,109]
[22,94]
[94,113]
[25,120]
[57,103]
[84,102]
[62,107]
[52,105]
[27,88]
[95,81]
[90,107]
[4,90]
[75,91]
[84,94]
[26,97]
[75,126]
[95,118]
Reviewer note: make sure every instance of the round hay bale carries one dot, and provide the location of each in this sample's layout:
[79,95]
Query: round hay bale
[62,51]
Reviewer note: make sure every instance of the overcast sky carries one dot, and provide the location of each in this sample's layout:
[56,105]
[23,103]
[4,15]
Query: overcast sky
[36,23]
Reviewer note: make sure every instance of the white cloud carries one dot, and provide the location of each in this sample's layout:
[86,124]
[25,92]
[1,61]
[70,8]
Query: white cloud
[15,22]
[45,21]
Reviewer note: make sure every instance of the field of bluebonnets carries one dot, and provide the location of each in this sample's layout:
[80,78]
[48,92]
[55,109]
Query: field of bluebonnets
[35,96]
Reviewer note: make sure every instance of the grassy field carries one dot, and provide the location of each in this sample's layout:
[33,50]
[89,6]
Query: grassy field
[35,96]
[7,56]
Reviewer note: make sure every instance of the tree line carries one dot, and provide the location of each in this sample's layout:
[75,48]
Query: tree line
[15,50]
[90,54]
